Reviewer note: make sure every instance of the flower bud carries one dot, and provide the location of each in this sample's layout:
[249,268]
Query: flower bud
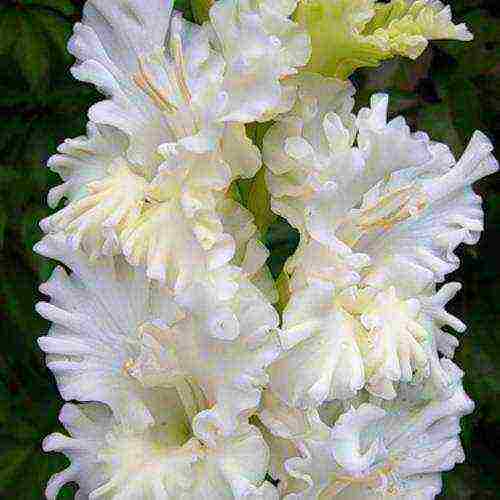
[350,34]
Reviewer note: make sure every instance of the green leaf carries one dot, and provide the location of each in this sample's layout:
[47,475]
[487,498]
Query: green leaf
[8,30]
[65,7]
[13,134]
[437,121]
[184,6]
[489,98]
[32,52]
[282,241]
[11,460]
[201,9]
[30,234]
[3,224]
[466,107]
[57,31]
[27,470]
[259,202]
[482,54]
[19,292]
[283,287]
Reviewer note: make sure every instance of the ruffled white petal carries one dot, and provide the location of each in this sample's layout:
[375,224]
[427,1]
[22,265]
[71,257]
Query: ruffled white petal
[170,459]
[120,339]
[171,223]
[153,66]
[394,188]
[98,314]
[380,211]
[260,46]
[157,155]
[374,450]
[322,357]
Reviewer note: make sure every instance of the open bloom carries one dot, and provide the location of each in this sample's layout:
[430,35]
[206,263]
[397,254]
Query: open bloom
[119,339]
[370,450]
[160,152]
[381,211]
[357,187]
[171,458]
[336,344]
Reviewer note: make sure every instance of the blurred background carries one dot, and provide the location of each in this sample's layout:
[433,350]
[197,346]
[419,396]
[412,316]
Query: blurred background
[451,90]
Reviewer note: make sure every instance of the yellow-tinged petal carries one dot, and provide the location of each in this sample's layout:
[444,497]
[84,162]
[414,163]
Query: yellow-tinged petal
[365,32]
[96,220]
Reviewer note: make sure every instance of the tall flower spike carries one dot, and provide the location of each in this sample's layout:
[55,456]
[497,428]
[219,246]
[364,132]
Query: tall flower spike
[171,458]
[376,449]
[366,32]
[121,340]
[379,223]
[164,330]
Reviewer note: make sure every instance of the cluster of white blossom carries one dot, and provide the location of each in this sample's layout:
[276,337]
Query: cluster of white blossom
[185,381]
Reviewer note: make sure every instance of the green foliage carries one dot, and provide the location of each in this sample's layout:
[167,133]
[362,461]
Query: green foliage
[254,193]
[452,89]
[185,7]
[201,9]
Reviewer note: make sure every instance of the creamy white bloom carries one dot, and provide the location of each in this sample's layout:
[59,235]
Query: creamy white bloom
[120,339]
[261,46]
[158,157]
[375,449]
[162,78]
[164,327]
[171,223]
[381,211]
[171,459]
[393,199]
[336,344]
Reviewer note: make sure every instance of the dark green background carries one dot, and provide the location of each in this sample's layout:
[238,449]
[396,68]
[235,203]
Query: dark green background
[450,91]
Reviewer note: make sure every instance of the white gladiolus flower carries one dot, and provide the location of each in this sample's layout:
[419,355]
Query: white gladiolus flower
[163,328]
[171,459]
[338,343]
[374,450]
[159,156]
[362,202]
[162,76]
[121,340]
[379,223]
